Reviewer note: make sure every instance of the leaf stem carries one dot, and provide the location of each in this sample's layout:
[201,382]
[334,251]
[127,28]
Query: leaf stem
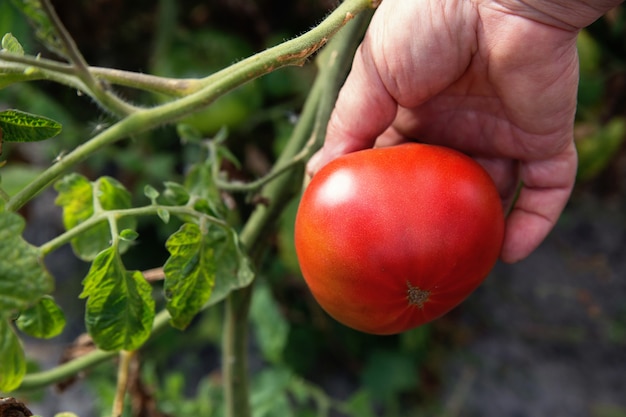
[29,68]
[293,52]
[123,369]
[113,215]
[68,369]
[334,62]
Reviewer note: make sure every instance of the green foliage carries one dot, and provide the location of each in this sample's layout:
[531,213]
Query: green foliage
[189,273]
[44,320]
[271,328]
[19,126]
[13,363]
[203,267]
[81,200]
[597,150]
[24,277]
[11,44]
[120,307]
[44,29]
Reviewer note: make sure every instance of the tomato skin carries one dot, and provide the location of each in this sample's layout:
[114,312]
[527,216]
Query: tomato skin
[391,238]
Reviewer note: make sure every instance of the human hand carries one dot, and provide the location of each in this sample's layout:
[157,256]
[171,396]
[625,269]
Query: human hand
[496,80]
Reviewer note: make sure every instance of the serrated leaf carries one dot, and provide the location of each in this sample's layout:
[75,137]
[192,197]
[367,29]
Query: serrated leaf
[234,269]
[13,363]
[20,126]
[202,270]
[120,308]
[43,320]
[23,277]
[11,44]
[189,273]
[44,29]
[76,196]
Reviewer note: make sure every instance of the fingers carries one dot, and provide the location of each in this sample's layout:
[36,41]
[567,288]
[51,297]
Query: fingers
[546,190]
[363,111]
[411,52]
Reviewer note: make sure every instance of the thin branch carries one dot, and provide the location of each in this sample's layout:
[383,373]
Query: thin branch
[291,52]
[114,215]
[31,68]
[68,369]
[105,97]
[334,63]
[123,370]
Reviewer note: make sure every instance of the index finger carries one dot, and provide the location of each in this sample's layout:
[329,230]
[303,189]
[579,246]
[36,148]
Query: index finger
[364,109]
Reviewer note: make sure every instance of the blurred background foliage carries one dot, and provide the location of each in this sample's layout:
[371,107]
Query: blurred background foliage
[304,364]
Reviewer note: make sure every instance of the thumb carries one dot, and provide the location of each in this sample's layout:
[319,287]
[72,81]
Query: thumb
[363,110]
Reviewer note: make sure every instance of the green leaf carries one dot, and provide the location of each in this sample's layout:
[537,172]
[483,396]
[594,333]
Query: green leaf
[269,393]
[23,277]
[189,273]
[175,194]
[43,320]
[16,176]
[129,235]
[151,192]
[202,270]
[44,29]
[164,215]
[234,269]
[11,44]
[13,363]
[120,308]
[596,151]
[76,196]
[201,184]
[19,126]
[389,373]
[270,326]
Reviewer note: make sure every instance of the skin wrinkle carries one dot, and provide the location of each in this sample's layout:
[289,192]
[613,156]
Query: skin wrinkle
[495,79]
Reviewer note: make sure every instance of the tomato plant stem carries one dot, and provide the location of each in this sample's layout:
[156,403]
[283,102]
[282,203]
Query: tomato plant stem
[122,382]
[293,52]
[333,63]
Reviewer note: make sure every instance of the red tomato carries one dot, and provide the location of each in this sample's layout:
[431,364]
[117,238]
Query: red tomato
[391,238]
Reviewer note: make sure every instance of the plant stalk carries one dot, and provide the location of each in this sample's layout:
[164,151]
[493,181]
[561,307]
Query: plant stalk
[334,63]
[293,52]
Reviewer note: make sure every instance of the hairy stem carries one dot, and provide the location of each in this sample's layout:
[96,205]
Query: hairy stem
[69,369]
[115,215]
[123,369]
[293,52]
[334,63]
[104,97]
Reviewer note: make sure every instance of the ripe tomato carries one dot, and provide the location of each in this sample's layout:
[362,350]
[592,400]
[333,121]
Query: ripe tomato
[391,238]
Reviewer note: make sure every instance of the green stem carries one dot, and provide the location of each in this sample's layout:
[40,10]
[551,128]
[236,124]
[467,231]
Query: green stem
[113,215]
[69,369]
[29,68]
[293,52]
[235,354]
[99,90]
[334,63]
[123,370]
[279,192]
